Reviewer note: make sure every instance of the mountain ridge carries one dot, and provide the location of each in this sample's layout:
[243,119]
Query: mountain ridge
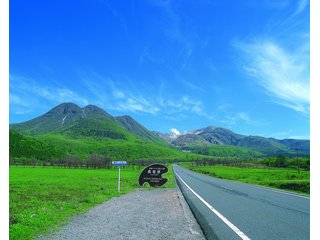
[59,119]
[59,116]
[211,136]
[71,121]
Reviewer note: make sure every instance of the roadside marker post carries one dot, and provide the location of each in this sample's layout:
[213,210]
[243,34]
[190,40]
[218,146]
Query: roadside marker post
[119,164]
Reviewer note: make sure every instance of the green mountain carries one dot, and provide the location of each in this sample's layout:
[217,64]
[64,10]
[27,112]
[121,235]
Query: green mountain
[68,129]
[264,145]
[90,130]
[296,144]
[96,126]
[28,147]
[134,127]
[58,117]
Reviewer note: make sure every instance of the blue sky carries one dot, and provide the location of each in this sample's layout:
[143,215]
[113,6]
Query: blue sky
[243,65]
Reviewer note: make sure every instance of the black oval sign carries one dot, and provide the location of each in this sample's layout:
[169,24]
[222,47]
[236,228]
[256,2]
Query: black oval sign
[152,175]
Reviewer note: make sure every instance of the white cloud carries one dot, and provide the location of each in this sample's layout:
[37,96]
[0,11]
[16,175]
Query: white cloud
[284,75]
[243,116]
[232,119]
[16,100]
[59,95]
[26,93]
[140,98]
[136,105]
[224,107]
[122,99]
[184,104]
[118,94]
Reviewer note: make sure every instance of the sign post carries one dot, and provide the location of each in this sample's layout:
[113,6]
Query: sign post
[118,179]
[119,164]
[152,174]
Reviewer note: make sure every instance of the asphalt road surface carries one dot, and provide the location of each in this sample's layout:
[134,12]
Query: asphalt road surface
[233,210]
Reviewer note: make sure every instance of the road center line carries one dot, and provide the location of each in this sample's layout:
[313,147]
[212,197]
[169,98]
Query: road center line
[219,215]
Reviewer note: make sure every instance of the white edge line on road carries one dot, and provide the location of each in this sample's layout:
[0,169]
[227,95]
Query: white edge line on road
[219,215]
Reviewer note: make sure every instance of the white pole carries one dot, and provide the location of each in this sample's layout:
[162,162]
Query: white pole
[119,180]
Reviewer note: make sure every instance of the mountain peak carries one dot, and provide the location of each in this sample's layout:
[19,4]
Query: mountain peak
[94,110]
[136,128]
[64,109]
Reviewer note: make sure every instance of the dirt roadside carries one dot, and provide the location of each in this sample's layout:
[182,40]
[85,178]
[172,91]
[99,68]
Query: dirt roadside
[144,215]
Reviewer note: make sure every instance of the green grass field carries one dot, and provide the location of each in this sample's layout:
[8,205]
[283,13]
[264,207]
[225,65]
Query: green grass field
[44,198]
[288,179]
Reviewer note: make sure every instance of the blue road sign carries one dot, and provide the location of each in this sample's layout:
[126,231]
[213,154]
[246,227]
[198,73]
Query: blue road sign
[119,163]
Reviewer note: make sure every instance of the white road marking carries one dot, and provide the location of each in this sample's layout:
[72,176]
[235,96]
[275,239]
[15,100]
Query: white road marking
[219,215]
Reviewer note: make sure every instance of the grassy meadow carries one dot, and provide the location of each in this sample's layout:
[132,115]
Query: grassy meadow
[288,179]
[42,199]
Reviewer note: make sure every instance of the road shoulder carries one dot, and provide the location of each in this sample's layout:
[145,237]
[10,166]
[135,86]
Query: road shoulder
[154,214]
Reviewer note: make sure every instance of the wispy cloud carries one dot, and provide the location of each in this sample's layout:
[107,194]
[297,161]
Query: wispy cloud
[136,104]
[120,99]
[58,95]
[26,93]
[287,135]
[190,85]
[141,98]
[173,26]
[117,15]
[283,74]
[184,104]
[279,62]
[228,115]
[302,5]
[147,56]
[232,119]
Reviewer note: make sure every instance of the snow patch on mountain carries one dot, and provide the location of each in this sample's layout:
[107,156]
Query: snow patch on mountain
[175,132]
[64,119]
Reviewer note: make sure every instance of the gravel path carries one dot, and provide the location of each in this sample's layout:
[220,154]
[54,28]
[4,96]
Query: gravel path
[144,215]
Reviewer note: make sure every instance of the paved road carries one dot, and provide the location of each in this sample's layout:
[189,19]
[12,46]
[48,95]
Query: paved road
[232,210]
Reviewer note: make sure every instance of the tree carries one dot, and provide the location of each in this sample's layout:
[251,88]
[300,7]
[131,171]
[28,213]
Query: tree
[281,161]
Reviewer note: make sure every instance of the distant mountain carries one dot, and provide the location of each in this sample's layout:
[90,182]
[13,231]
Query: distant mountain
[264,145]
[190,141]
[58,117]
[302,145]
[168,137]
[218,135]
[164,136]
[201,140]
[137,129]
